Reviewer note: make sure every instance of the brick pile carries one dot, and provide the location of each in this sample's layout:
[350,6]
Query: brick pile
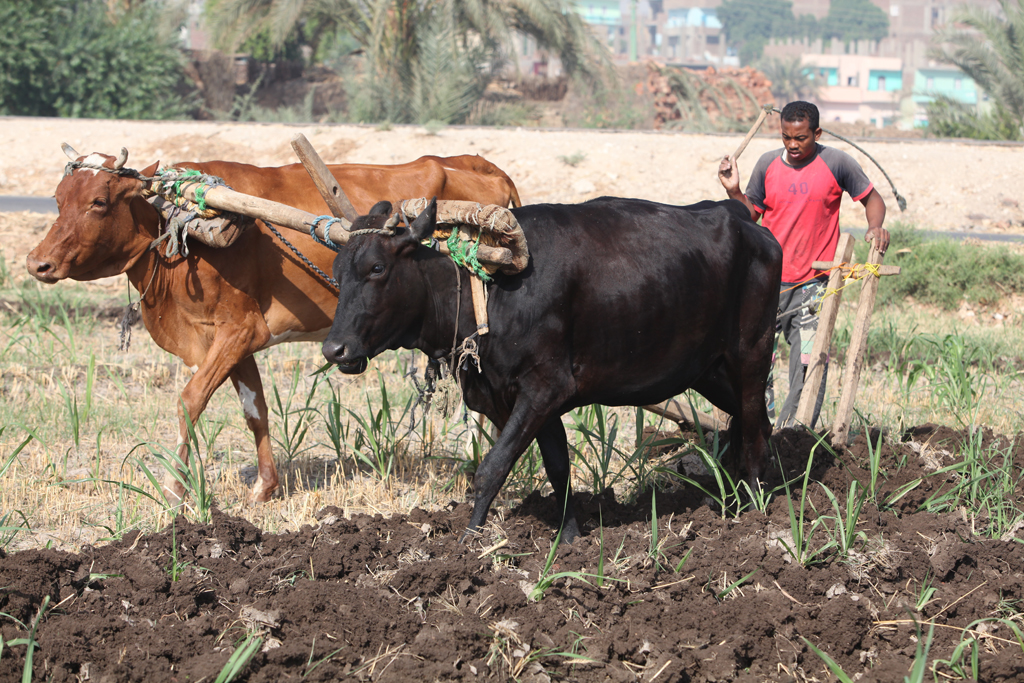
[730,97]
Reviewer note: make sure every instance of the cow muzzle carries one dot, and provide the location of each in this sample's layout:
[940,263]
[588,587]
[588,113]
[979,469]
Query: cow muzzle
[340,355]
[43,270]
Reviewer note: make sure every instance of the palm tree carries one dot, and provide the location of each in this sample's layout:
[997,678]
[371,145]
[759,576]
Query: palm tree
[990,50]
[424,59]
[790,79]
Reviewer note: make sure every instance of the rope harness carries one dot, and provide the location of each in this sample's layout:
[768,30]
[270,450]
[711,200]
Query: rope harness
[857,271]
[464,254]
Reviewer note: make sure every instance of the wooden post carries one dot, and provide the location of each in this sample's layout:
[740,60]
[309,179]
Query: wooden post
[855,353]
[336,199]
[826,326]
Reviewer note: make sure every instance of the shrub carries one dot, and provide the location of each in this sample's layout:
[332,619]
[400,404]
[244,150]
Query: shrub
[945,273]
[74,58]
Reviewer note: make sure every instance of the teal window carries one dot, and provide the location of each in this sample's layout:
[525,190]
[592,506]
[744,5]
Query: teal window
[885,81]
[823,74]
[605,12]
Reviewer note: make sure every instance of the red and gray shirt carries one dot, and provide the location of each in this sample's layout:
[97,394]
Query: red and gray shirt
[800,204]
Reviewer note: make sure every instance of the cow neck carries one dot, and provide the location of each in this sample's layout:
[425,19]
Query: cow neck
[444,339]
[143,270]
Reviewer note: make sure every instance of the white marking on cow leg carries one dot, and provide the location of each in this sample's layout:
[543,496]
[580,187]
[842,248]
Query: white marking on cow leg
[248,397]
[95,160]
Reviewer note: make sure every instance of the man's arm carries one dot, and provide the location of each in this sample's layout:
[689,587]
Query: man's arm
[874,208]
[729,175]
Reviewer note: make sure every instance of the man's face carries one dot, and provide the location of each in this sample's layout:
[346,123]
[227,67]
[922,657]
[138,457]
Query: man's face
[799,140]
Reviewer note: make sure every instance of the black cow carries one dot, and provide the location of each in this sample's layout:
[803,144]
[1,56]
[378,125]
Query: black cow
[624,302]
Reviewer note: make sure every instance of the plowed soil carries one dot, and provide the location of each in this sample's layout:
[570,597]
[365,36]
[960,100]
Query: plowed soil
[399,599]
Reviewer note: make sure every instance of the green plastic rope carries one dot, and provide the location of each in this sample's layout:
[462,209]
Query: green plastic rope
[467,256]
[188,175]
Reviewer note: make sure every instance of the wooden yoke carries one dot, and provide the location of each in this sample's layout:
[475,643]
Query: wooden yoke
[291,218]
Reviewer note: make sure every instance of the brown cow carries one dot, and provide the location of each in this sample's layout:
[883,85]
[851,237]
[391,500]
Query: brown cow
[216,307]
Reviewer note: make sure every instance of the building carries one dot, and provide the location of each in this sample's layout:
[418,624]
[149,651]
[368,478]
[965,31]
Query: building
[856,88]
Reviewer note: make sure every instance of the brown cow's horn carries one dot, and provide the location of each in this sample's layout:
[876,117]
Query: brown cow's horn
[70,151]
[121,159]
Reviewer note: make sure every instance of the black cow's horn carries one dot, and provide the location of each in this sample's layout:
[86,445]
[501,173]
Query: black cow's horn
[70,151]
[121,159]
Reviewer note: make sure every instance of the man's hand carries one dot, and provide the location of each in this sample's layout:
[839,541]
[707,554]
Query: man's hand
[880,236]
[874,211]
[729,175]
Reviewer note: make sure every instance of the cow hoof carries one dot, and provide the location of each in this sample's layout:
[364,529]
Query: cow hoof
[570,532]
[262,492]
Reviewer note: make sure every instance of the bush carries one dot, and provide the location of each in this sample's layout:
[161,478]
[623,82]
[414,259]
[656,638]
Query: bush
[74,58]
[952,119]
[946,273]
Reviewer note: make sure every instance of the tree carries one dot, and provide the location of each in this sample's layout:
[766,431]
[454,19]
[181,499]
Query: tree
[790,79]
[991,51]
[76,58]
[750,24]
[850,20]
[418,52]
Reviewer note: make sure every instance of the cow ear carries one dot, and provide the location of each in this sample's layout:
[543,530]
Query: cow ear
[381,208]
[147,173]
[423,227]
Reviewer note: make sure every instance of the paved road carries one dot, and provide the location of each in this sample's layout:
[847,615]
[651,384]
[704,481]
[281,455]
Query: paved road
[49,205]
[35,204]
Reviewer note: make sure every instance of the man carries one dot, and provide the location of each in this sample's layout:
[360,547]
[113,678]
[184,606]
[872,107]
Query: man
[796,192]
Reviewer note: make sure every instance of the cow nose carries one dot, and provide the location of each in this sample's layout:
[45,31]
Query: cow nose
[39,268]
[332,350]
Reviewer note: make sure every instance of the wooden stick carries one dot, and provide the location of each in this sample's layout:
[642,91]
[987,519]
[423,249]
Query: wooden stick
[476,286]
[855,354]
[336,199]
[826,326]
[675,412]
[289,217]
[765,111]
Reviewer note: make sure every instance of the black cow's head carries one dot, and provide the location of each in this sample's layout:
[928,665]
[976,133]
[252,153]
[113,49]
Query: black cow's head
[381,289]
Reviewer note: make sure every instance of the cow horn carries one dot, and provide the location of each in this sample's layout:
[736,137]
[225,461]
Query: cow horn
[121,159]
[70,151]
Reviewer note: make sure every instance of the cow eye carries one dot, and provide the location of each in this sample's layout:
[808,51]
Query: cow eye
[377,269]
[100,203]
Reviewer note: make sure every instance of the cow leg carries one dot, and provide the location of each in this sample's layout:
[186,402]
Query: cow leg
[733,387]
[554,447]
[221,358]
[246,380]
[717,386]
[523,425]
